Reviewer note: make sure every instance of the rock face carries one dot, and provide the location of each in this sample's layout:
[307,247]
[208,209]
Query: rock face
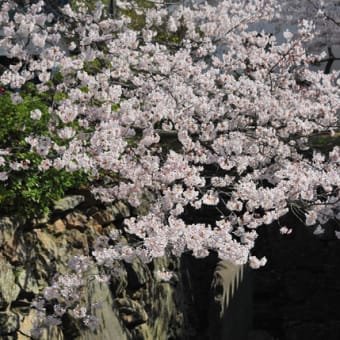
[68,202]
[220,296]
[230,311]
[110,326]
[135,305]
[9,289]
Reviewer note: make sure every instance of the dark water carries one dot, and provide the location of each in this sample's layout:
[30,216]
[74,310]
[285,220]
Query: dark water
[297,295]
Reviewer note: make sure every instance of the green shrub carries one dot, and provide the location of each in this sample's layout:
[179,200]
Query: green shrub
[29,191]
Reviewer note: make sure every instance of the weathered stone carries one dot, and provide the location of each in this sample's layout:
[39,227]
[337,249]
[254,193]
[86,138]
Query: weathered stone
[164,308]
[7,230]
[138,274]
[53,332]
[47,242]
[19,248]
[111,213]
[23,337]
[41,220]
[27,323]
[78,240]
[109,327]
[10,250]
[131,312]
[104,217]
[123,209]
[76,220]
[94,226]
[59,226]
[226,279]
[27,282]
[54,252]
[41,252]
[9,290]
[68,202]
[143,332]
[120,282]
[9,323]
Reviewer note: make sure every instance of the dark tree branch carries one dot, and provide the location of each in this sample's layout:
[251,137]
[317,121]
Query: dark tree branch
[330,60]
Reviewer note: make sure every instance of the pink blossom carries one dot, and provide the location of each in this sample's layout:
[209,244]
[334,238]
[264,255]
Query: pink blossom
[210,198]
[45,165]
[285,231]
[164,275]
[3,176]
[256,263]
[222,118]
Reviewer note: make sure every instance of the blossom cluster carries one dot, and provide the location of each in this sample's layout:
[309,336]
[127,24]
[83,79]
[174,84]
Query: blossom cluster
[232,99]
[193,111]
[65,295]
[323,15]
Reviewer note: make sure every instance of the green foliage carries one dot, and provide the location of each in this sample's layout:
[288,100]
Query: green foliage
[15,121]
[325,142]
[95,66]
[29,191]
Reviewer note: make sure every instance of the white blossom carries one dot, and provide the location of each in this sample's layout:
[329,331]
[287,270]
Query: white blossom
[164,275]
[36,114]
[215,116]
[256,263]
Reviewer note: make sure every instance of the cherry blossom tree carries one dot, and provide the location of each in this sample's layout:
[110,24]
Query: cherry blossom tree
[182,107]
[324,15]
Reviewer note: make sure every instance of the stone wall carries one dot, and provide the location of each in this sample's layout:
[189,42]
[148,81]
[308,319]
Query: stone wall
[194,305]
[134,305]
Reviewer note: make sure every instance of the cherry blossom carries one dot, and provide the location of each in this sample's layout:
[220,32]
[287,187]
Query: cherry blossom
[225,96]
[164,275]
[195,110]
